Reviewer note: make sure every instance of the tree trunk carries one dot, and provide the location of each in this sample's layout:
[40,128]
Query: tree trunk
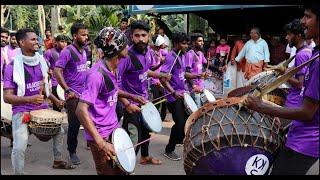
[40,19]
[78,11]
[4,19]
[54,20]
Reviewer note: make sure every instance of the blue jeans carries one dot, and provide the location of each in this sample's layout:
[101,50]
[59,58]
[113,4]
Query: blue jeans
[20,141]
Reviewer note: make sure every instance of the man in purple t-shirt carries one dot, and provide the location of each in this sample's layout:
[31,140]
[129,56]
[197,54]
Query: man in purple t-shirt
[194,63]
[301,152]
[70,71]
[157,90]
[134,71]
[97,107]
[176,86]
[52,55]
[4,42]
[296,38]
[22,88]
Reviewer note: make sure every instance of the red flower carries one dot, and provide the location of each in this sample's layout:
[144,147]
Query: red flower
[26,118]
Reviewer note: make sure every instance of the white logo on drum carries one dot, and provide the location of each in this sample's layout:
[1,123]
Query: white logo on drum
[257,165]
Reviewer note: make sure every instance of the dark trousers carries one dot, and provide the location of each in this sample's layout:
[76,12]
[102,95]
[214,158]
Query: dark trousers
[158,91]
[73,125]
[103,166]
[179,116]
[119,110]
[54,92]
[143,132]
[290,162]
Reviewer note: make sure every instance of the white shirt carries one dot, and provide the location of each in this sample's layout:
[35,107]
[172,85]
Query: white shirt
[292,52]
[255,51]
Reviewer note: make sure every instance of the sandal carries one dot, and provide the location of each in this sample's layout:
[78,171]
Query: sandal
[150,160]
[62,165]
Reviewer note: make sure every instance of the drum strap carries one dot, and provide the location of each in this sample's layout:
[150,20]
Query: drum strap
[177,62]
[135,61]
[73,54]
[108,82]
[55,54]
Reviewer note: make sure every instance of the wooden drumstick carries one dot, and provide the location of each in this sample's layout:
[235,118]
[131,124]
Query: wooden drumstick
[42,87]
[138,144]
[159,102]
[174,62]
[161,97]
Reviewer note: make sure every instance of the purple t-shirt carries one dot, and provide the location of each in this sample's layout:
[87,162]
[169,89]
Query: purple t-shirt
[11,52]
[52,55]
[33,77]
[195,61]
[303,137]
[177,80]
[74,67]
[132,80]
[2,68]
[101,100]
[294,95]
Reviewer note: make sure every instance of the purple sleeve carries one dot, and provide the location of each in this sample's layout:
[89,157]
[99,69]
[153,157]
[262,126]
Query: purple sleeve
[204,60]
[188,59]
[301,58]
[312,90]
[167,64]
[123,66]
[47,56]
[63,58]
[93,85]
[8,78]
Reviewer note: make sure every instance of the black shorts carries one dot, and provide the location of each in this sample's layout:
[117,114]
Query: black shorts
[290,162]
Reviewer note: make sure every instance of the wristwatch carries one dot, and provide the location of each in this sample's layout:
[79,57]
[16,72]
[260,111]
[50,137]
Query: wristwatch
[68,90]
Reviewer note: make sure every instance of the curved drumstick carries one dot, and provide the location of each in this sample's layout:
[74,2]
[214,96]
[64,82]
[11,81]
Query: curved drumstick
[260,91]
[174,62]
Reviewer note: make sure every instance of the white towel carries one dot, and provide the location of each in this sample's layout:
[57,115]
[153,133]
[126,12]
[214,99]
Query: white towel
[18,70]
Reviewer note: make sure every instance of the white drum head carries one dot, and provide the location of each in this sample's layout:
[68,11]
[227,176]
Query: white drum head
[60,92]
[151,117]
[209,95]
[190,102]
[6,109]
[126,157]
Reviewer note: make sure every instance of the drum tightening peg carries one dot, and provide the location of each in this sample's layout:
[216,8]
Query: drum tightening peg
[205,128]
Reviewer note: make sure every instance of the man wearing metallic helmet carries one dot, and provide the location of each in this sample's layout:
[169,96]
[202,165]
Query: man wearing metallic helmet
[97,106]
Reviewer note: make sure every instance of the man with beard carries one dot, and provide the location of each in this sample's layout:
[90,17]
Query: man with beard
[48,42]
[301,152]
[11,49]
[52,55]
[70,71]
[176,86]
[296,38]
[194,64]
[22,84]
[134,71]
[4,42]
